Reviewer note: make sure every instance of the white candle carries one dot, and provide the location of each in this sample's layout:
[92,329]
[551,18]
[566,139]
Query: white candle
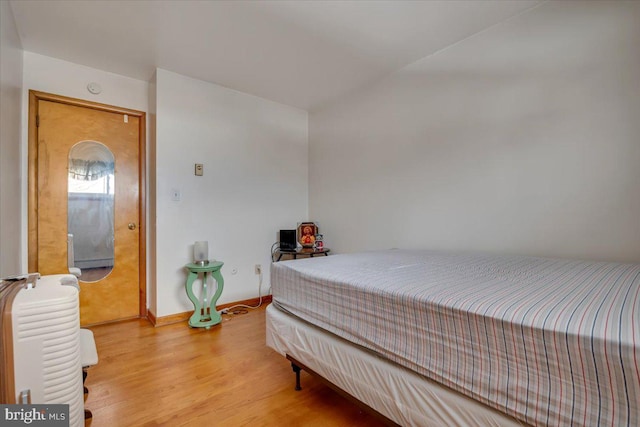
[201,252]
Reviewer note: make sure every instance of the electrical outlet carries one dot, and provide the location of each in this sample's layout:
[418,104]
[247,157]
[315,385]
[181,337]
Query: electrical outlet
[258,269]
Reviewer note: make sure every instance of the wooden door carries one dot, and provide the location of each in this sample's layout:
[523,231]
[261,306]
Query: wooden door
[61,123]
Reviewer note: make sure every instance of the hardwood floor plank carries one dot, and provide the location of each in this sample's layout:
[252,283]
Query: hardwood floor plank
[177,376]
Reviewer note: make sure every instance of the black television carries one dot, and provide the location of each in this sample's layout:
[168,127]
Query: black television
[288,240]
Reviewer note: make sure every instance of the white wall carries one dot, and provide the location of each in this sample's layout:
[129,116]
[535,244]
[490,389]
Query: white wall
[255,156]
[47,74]
[255,182]
[10,172]
[152,261]
[523,139]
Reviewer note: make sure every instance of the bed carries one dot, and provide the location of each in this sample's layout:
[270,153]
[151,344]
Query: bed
[431,338]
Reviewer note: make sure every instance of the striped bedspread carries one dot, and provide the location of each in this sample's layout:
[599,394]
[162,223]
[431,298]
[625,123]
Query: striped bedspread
[551,342]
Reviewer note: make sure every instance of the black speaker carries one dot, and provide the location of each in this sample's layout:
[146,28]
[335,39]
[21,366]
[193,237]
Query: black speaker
[287,240]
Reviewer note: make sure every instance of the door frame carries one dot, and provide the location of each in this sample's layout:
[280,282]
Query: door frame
[32,243]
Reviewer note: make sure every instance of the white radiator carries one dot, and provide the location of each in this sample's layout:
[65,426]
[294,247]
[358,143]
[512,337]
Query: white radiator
[46,344]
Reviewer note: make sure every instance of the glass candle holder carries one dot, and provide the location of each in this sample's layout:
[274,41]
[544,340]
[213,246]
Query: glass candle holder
[201,253]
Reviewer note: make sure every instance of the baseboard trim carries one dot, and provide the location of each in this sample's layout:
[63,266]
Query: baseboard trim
[184,316]
[169,320]
[251,302]
[151,317]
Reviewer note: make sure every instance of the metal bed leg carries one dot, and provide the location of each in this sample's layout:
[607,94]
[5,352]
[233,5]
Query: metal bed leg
[296,369]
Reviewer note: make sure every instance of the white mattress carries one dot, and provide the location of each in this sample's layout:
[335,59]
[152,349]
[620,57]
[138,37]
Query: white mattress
[547,341]
[398,393]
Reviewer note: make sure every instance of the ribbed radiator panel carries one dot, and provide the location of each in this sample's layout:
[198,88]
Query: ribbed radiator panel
[46,331]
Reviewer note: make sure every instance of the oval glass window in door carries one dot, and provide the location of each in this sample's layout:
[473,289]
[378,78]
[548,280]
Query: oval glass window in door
[90,211]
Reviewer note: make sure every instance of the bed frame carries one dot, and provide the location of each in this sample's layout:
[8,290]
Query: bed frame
[299,366]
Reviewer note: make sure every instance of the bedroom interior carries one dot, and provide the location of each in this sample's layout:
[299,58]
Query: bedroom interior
[493,144]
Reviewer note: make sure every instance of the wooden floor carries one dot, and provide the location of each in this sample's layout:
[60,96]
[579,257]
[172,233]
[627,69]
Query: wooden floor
[177,376]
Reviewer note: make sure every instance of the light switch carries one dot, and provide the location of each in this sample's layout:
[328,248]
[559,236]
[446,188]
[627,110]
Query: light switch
[199,169]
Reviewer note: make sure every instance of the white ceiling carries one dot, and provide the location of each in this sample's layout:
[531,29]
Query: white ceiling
[300,53]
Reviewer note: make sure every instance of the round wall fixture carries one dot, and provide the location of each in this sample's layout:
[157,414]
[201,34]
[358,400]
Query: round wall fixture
[94,88]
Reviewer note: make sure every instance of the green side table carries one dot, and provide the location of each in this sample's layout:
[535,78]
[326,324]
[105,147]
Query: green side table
[205,315]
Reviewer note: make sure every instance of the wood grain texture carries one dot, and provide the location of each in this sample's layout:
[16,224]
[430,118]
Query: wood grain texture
[63,122]
[142,214]
[177,376]
[61,127]
[32,204]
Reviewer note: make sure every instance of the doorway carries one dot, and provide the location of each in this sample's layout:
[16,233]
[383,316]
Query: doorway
[87,202]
